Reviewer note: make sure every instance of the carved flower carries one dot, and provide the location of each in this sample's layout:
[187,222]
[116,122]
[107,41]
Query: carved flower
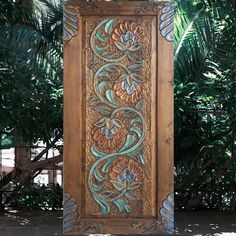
[108,133]
[128,36]
[129,87]
[126,174]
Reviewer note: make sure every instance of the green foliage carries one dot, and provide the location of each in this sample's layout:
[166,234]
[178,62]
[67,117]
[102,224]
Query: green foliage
[31,69]
[205,105]
[39,198]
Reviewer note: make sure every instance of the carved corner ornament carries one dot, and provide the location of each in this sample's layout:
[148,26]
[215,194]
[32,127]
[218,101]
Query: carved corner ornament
[167,21]
[70,21]
[71,221]
[166,222]
[70,213]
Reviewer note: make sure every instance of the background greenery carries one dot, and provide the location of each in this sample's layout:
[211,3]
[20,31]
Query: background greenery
[31,65]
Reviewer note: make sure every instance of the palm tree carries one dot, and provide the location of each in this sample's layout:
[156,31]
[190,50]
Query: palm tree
[31,69]
[205,106]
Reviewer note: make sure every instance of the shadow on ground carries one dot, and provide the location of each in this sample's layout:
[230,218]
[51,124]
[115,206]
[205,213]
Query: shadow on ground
[203,223]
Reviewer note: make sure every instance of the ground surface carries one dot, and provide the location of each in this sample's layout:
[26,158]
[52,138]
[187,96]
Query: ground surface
[50,224]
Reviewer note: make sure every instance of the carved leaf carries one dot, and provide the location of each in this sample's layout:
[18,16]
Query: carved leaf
[128,142]
[110,97]
[134,185]
[137,130]
[108,26]
[139,105]
[104,208]
[120,46]
[95,152]
[119,186]
[135,67]
[135,58]
[135,47]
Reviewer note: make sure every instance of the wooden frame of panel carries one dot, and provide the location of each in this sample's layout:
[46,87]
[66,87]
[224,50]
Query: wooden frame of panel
[75,115]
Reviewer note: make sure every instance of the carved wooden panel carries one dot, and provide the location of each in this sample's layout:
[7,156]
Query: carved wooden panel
[118,117]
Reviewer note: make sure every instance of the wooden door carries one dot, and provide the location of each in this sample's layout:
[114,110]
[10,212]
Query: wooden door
[118,117]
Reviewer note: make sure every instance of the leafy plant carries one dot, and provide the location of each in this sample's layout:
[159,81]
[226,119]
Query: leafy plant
[205,107]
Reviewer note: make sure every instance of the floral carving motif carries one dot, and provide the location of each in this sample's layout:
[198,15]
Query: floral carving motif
[126,174]
[117,46]
[108,133]
[130,89]
[128,36]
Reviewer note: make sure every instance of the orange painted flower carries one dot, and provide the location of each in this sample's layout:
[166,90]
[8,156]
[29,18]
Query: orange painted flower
[126,169]
[108,133]
[128,36]
[129,87]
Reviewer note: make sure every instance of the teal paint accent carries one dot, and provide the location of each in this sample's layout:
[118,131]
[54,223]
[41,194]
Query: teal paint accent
[101,38]
[108,26]
[104,74]
[97,187]
[104,208]
[106,167]
[97,176]
[99,49]
[122,205]
[103,84]
[103,89]
[128,142]
[96,153]
[137,130]
[136,120]
[110,97]
[142,159]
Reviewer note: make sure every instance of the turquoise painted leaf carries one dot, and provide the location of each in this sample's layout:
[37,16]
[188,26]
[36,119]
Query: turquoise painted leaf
[95,152]
[122,205]
[108,26]
[128,142]
[136,120]
[137,130]
[97,176]
[106,167]
[103,84]
[97,187]
[99,49]
[127,208]
[104,208]
[110,97]
[104,74]
[100,37]
[142,159]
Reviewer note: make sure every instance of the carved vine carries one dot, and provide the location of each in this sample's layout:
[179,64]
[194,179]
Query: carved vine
[117,147]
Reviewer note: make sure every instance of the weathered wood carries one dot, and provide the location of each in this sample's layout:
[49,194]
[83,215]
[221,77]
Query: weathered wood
[118,117]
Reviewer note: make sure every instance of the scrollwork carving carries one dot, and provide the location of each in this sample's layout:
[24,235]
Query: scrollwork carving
[70,21]
[167,21]
[148,6]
